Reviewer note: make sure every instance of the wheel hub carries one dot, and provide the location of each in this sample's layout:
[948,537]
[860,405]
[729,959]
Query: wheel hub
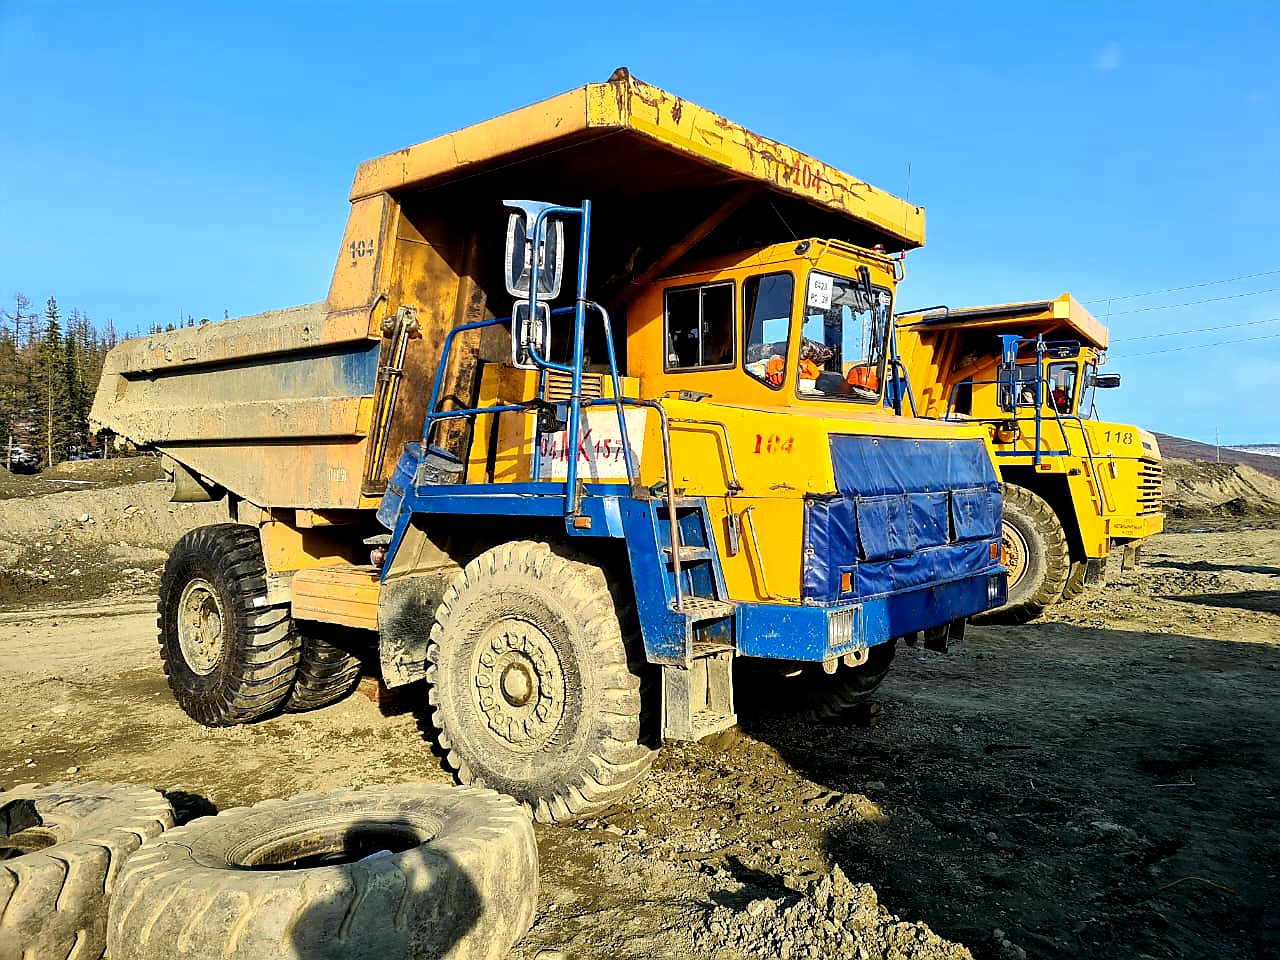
[1015,553]
[519,683]
[200,627]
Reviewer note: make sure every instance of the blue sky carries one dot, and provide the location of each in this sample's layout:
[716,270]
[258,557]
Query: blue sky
[161,159]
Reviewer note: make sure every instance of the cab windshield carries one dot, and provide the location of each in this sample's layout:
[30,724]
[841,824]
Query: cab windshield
[842,338]
[1086,390]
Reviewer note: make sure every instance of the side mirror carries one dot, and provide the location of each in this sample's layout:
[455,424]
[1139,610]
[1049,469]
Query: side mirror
[547,246]
[530,331]
[1106,381]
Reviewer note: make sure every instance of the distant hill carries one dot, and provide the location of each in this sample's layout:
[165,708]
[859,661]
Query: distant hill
[1268,449]
[1185,449]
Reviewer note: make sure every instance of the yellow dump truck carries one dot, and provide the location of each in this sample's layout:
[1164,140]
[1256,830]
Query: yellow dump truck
[570,514]
[1077,489]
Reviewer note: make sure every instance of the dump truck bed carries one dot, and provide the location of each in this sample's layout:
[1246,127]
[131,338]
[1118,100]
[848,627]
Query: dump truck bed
[309,407]
[1064,316]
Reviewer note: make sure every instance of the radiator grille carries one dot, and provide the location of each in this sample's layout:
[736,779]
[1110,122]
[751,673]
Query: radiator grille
[1150,487]
[560,386]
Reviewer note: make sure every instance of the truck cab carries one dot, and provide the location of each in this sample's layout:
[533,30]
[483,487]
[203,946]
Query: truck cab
[1082,488]
[803,325]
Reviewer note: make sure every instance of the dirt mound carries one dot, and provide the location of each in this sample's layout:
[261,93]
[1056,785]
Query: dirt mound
[90,541]
[833,918]
[107,473]
[80,475]
[1182,449]
[1197,488]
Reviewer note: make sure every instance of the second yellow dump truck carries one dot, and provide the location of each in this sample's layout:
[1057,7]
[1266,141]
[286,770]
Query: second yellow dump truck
[1076,489]
[571,513]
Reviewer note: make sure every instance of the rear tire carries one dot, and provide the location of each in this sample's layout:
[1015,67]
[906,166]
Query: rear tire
[818,695]
[1075,581]
[531,690]
[1036,555]
[61,850]
[230,658]
[326,674]
[411,871]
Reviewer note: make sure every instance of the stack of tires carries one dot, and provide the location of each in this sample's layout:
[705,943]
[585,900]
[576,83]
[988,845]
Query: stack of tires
[419,871]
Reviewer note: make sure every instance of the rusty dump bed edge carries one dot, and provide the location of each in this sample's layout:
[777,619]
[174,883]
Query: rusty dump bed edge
[1026,319]
[625,104]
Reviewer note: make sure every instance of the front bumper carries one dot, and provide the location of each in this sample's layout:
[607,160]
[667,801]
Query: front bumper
[818,633]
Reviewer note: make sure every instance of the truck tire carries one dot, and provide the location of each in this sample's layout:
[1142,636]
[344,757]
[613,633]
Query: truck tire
[1075,581]
[826,696]
[1036,555]
[326,674]
[530,689]
[229,656]
[61,850]
[411,871]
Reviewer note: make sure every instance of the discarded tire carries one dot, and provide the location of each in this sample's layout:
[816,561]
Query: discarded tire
[230,656]
[326,674]
[61,851]
[417,871]
[1035,554]
[531,690]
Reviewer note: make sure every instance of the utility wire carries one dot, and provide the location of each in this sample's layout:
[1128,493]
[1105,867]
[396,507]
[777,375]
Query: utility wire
[1189,286]
[1178,333]
[1197,346]
[1192,303]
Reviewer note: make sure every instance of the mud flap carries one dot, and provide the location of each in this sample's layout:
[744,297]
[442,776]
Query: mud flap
[406,611]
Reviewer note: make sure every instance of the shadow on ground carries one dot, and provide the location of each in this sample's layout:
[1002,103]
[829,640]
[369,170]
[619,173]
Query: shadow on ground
[1091,793]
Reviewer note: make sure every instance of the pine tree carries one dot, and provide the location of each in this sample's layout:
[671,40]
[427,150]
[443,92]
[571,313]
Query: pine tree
[14,371]
[51,375]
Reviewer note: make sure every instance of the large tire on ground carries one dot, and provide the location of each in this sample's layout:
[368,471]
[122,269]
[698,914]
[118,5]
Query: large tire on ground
[531,690]
[1036,555]
[326,674]
[412,871]
[229,656]
[61,851]
[823,696]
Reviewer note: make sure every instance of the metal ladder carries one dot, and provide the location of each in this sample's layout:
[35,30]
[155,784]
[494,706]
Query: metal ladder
[697,695]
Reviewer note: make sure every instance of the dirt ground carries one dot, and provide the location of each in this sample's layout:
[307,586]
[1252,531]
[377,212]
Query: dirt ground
[1101,783]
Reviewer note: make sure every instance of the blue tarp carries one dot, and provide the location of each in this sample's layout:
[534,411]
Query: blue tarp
[908,513]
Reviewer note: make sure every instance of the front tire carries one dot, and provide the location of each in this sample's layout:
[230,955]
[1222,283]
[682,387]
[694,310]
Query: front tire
[531,689]
[230,657]
[1036,555]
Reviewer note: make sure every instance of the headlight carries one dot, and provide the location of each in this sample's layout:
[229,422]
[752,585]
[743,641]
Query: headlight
[840,628]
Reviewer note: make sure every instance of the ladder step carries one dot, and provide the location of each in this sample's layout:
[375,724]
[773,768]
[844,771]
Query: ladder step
[706,722]
[689,554]
[700,609]
[697,700]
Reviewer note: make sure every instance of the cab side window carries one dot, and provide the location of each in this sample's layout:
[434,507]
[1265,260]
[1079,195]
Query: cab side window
[699,326]
[766,311]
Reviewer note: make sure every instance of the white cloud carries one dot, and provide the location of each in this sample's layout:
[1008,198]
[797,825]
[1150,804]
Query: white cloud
[1108,58]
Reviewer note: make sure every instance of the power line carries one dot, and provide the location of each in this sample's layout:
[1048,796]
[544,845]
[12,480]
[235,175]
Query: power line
[1193,303]
[1197,346]
[1178,333]
[1189,286]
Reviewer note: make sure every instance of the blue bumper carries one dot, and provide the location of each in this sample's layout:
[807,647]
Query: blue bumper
[819,633]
